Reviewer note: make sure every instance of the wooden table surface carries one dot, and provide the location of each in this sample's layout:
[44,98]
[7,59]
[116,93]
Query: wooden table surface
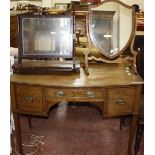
[99,75]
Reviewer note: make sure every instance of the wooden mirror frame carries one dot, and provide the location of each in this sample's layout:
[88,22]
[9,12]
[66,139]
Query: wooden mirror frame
[118,58]
[22,55]
[45,63]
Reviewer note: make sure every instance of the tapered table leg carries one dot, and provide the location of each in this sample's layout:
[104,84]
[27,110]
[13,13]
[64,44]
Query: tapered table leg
[18,133]
[139,134]
[122,120]
[132,132]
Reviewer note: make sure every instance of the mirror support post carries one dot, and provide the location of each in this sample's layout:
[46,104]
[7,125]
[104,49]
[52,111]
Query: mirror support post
[135,53]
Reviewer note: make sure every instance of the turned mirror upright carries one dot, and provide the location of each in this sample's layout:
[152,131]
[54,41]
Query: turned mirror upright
[111,32]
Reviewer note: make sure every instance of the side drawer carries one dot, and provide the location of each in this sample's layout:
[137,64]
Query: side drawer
[120,101]
[29,98]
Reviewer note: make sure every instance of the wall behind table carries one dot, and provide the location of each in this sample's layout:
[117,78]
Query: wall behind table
[50,3]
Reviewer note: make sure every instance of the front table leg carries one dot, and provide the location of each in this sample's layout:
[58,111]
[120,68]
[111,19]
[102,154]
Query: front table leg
[18,132]
[132,132]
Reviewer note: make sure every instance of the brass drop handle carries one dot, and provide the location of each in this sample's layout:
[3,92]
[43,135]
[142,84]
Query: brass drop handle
[29,99]
[120,101]
[90,94]
[60,94]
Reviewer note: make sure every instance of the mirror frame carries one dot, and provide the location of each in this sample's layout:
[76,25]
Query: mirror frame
[132,34]
[41,56]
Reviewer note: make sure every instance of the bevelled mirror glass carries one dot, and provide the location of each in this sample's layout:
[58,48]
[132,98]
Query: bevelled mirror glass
[111,27]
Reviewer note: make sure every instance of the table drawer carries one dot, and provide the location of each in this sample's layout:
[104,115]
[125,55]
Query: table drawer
[59,94]
[89,94]
[120,101]
[29,98]
[77,94]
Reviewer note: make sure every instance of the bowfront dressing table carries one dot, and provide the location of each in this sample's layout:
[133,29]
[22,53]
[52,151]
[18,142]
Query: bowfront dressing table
[112,84]
[115,90]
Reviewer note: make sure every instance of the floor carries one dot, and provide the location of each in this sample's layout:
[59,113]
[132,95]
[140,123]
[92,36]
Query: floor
[74,130]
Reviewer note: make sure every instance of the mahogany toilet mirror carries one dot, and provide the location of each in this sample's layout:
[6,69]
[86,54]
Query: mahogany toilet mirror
[111,32]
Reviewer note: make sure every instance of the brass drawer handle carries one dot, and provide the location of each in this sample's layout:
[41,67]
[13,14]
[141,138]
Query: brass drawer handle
[29,99]
[120,101]
[60,94]
[90,94]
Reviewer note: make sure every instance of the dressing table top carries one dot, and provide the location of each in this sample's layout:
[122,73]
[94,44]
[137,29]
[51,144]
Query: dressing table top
[99,75]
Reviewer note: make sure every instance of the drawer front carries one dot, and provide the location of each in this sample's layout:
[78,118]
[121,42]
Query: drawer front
[77,94]
[58,94]
[89,94]
[29,98]
[120,101]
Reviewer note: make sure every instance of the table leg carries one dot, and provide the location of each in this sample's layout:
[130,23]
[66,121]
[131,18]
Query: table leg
[132,132]
[29,122]
[122,120]
[139,133]
[18,132]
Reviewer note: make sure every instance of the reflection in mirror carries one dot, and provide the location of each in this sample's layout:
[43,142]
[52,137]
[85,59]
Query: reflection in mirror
[110,27]
[47,36]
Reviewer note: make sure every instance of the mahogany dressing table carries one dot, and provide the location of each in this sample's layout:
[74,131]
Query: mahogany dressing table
[114,87]
[115,90]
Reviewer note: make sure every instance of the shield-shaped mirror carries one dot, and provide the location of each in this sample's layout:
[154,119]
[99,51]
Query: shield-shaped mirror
[111,27]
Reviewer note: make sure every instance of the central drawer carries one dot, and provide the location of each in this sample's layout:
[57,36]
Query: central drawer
[58,94]
[75,94]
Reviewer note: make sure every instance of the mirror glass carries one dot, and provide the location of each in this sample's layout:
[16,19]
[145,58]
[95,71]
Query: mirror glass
[110,27]
[47,36]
